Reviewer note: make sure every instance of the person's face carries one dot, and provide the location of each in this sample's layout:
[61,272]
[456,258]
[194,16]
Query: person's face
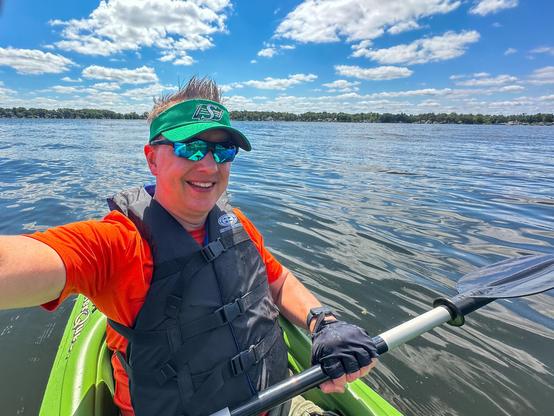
[188,189]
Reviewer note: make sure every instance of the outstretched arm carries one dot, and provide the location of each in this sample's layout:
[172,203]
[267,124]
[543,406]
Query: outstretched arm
[31,272]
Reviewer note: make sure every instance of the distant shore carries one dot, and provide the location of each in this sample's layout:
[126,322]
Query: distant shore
[427,118]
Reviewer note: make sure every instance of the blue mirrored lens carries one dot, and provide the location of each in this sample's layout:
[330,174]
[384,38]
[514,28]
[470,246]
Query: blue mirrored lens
[198,149]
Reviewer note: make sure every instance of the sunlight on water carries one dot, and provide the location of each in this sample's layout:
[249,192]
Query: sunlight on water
[377,219]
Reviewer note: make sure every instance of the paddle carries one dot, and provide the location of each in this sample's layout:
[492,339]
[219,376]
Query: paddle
[511,278]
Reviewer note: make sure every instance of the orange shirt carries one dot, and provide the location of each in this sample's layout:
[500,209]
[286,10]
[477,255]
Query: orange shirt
[109,262]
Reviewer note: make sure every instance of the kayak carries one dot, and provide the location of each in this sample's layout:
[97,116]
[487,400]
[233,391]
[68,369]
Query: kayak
[81,381]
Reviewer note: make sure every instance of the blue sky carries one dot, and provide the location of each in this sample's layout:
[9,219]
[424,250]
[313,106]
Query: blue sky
[487,56]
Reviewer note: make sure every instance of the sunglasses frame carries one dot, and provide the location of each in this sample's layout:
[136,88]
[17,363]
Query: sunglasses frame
[211,147]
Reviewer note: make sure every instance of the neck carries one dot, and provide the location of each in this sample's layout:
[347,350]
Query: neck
[188,222]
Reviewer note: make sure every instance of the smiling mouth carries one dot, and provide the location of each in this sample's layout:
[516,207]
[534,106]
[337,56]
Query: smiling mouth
[201,185]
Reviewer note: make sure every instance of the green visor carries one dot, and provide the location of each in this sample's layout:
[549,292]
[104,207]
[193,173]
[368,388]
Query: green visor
[192,117]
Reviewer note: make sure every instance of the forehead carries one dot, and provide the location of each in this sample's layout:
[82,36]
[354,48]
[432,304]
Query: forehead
[214,135]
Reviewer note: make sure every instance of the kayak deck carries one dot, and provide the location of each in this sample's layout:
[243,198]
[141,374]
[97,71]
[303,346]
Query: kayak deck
[81,381]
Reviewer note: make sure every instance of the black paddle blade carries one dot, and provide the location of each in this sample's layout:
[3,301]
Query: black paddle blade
[512,278]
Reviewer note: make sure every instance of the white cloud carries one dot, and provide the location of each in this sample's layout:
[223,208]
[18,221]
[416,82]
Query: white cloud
[457,76]
[271,49]
[140,75]
[484,82]
[64,89]
[484,7]
[33,61]
[549,50]
[511,88]
[253,61]
[438,48]
[481,74]
[68,79]
[375,74]
[342,85]
[106,86]
[280,83]
[329,21]
[174,26]
[149,92]
[403,27]
[231,86]
[542,76]
[510,51]
[267,52]
[546,98]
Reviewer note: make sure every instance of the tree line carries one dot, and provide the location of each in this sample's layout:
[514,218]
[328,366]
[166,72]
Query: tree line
[88,113]
[430,118]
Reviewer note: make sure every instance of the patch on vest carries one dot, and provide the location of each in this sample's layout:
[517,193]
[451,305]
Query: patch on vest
[227,221]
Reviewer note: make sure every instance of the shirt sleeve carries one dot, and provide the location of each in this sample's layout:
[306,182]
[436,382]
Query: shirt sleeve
[273,267]
[97,255]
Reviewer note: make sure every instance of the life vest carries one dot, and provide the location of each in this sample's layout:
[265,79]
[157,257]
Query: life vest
[207,336]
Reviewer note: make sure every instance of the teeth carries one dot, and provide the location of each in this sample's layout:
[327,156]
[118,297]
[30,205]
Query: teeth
[202,184]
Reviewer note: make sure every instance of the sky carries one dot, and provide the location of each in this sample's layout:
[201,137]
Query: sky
[411,56]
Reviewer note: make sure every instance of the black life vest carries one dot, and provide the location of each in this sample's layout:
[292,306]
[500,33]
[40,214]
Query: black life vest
[207,335]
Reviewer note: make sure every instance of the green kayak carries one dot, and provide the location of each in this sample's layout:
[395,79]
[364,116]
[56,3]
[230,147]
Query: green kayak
[81,382]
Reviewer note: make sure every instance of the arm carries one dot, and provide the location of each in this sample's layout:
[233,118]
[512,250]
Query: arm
[31,273]
[293,298]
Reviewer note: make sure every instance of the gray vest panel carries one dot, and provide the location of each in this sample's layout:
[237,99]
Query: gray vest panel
[207,335]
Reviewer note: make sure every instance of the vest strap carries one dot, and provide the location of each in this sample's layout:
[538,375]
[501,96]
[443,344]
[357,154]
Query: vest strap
[239,364]
[201,258]
[227,313]
[221,316]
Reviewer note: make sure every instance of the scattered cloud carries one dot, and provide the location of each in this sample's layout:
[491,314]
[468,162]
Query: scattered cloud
[106,86]
[487,82]
[484,7]
[510,51]
[341,85]
[542,76]
[437,48]
[34,61]
[329,21]
[549,50]
[403,27]
[140,75]
[174,26]
[272,49]
[268,52]
[374,74]
[546,98]
[253,61]
[68,79]
[511,88]
[271,83]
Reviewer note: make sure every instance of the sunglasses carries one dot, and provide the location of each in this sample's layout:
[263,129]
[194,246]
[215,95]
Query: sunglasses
[196,149]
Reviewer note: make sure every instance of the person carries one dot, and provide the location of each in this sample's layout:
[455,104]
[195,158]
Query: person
[191,292]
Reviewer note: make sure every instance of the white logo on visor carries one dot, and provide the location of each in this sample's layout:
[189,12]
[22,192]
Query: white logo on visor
[227,220]
[207,112]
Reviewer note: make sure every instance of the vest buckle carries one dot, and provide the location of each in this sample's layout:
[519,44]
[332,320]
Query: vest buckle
[230,311]
[244,360]
[213,250]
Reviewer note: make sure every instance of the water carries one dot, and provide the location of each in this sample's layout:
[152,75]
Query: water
[376,219]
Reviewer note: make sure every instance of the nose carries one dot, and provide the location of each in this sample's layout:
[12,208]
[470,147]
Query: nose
[207,163]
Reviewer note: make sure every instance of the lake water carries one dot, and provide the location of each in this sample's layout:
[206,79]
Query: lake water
[377,219]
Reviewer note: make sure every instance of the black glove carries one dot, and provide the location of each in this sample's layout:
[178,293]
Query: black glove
[341,348]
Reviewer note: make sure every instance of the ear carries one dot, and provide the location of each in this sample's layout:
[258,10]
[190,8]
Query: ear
[150,154]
